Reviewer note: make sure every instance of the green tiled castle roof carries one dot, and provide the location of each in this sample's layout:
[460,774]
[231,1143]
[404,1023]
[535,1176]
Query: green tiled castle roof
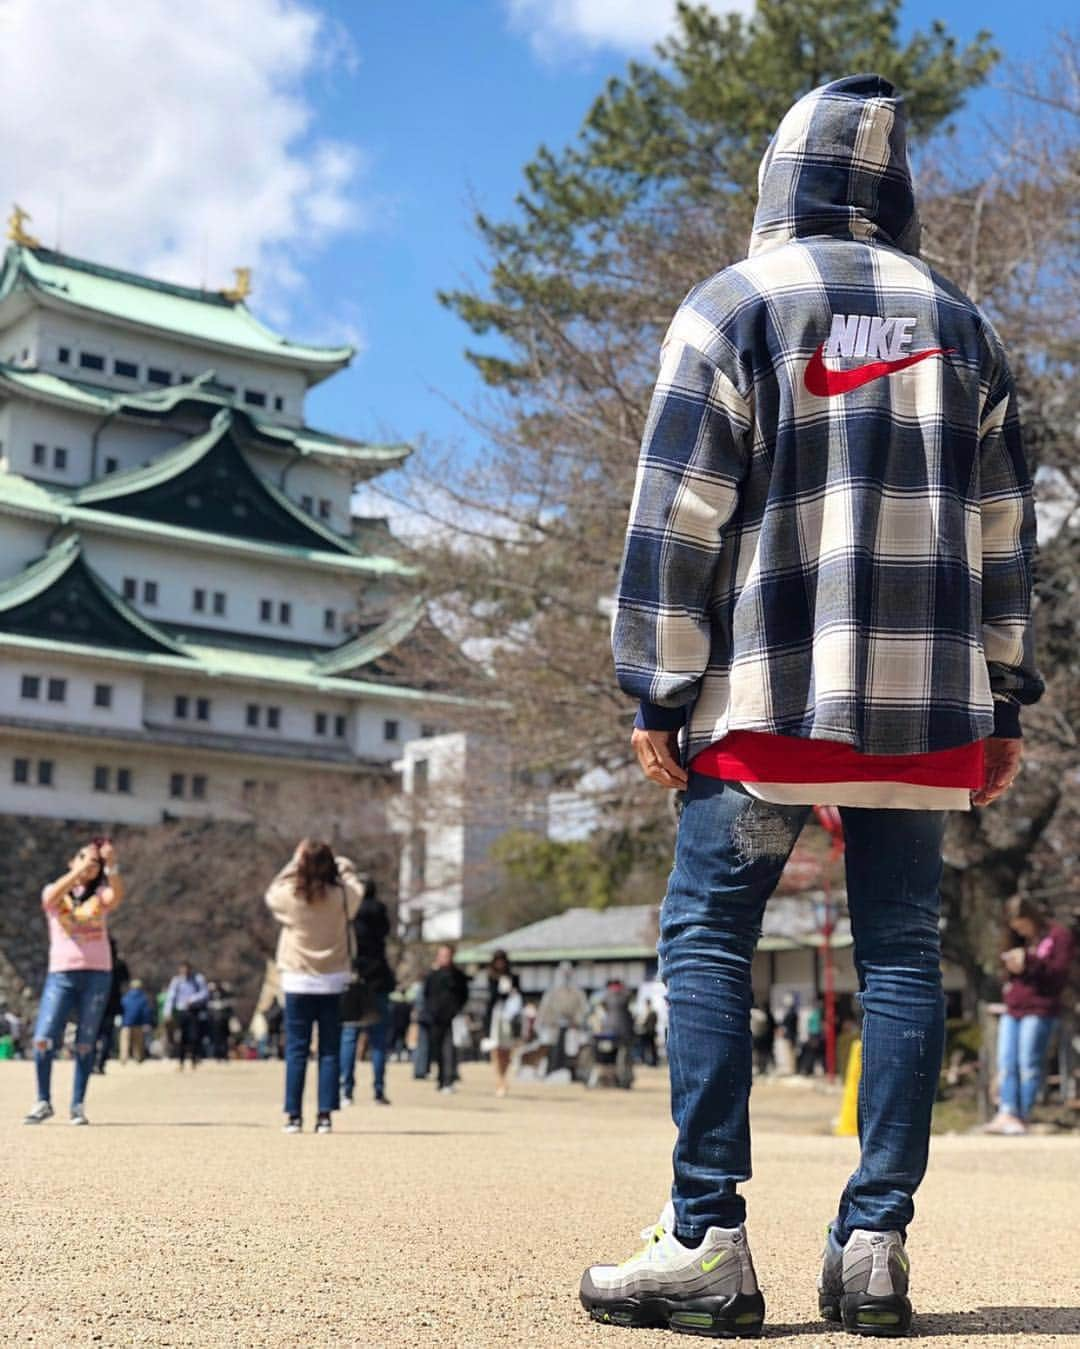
[306,441]
[205,317]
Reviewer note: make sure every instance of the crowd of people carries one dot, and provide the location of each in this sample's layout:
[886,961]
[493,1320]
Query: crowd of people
[340,997]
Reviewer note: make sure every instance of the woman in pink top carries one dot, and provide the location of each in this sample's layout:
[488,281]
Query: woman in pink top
[77,908]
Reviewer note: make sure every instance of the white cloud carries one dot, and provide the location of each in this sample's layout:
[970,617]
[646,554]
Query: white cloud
[629,25]
[175,139]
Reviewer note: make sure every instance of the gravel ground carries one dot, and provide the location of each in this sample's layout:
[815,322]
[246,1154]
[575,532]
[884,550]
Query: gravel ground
[184,1216]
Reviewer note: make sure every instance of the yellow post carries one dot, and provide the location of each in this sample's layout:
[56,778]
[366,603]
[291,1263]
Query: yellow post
[847,1125]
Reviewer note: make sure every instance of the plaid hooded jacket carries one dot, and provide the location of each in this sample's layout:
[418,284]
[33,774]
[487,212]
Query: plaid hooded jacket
[832,529]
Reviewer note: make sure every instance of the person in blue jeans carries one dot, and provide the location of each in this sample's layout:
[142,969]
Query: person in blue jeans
[1036,956]
[77,908]
[365,1004]
[315,898]
[824,600]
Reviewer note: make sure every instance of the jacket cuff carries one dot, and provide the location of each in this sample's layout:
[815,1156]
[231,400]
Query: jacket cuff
[653,717]
[1007,720]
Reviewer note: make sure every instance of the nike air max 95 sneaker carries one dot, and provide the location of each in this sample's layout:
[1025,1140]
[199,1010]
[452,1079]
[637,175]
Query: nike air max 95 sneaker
[864,1283]
[709,1289]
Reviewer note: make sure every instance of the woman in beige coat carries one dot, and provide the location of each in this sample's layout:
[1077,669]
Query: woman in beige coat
[315,898]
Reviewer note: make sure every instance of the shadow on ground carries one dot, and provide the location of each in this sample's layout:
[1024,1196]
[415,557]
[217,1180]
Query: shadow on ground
[986,1321]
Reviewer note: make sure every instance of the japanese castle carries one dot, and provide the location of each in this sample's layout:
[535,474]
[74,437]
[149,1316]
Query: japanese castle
[190,616]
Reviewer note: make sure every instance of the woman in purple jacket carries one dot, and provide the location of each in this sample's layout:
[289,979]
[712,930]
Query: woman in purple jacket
[1036,954]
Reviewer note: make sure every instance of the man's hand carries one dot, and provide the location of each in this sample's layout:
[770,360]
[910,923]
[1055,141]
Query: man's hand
[658,752]
[1002,763]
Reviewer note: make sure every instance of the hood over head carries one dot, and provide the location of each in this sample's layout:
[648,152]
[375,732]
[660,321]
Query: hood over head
[838,165]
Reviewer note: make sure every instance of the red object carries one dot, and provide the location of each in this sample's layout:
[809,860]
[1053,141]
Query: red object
[825,383]
[750,756]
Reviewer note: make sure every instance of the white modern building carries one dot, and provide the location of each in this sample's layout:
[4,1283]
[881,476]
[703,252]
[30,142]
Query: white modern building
[190,616]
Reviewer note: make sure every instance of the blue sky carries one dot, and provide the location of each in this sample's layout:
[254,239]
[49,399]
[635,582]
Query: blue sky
[447,109]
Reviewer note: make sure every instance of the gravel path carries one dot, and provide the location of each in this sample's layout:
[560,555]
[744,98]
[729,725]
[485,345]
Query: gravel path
[184,1216]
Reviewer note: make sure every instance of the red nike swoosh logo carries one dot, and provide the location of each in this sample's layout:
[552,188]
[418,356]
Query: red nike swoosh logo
[825,383]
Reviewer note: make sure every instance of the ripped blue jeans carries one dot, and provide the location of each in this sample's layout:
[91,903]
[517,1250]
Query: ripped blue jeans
[730,852]
[85,992]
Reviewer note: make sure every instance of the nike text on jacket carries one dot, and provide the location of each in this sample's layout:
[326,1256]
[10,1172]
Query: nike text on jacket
[832,528]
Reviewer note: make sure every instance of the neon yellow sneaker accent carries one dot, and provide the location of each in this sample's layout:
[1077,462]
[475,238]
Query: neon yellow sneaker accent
[710,1262]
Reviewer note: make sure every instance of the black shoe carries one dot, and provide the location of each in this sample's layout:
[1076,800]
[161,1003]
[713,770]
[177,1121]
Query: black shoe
[380,1098]
[864,1284]
[323,1124]
[293,1125]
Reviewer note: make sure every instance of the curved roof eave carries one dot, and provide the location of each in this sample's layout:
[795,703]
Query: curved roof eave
[205,318]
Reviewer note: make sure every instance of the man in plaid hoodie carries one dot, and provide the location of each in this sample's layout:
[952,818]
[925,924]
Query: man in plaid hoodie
[824,599]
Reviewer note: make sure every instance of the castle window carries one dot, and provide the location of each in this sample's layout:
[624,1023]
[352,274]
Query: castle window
[219,603]
[150,592]
[198,787]
[39,455]
[339,727]
[63,355]
[285,613]
[20,772]
[254,398]
[308,503]
[252,717]
[60,458]
[123,781]
[155,375]
[329,620]
[103,695]
[391,730]
[89,360]
[176,785]
[31,687]
[202,709]
[266,611]
[279,402]
[198,600]
[125,369]
[101,779]
[131,588]
[180,706]
[111,464]
[57,690]
[273,718]
[320,723]
[45,773]
[325,507]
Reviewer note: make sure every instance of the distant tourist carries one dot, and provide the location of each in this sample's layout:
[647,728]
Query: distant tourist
[446,991]
[106,1042]
[77,909]
[185,1007]
[136,1018]
[561,1018]
[365,1004]
[315,898]
[762,1035]
[503,1028]
[219,1015]
[1036,955]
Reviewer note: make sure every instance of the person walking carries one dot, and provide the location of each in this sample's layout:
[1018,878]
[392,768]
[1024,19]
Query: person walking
[1036,955]
[824,599]
[365,1004]
[77,910]
[446,991]
[314,898]
[502,1023]
[136,1019]
[185,1006]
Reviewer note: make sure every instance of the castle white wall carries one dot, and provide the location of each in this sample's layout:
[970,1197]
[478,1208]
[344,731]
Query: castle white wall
[182,361]
[78,705]
[244,582]
[53,428]
[21,542]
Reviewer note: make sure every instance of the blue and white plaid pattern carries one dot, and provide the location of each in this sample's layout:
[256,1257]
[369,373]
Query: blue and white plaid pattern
[855,565]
